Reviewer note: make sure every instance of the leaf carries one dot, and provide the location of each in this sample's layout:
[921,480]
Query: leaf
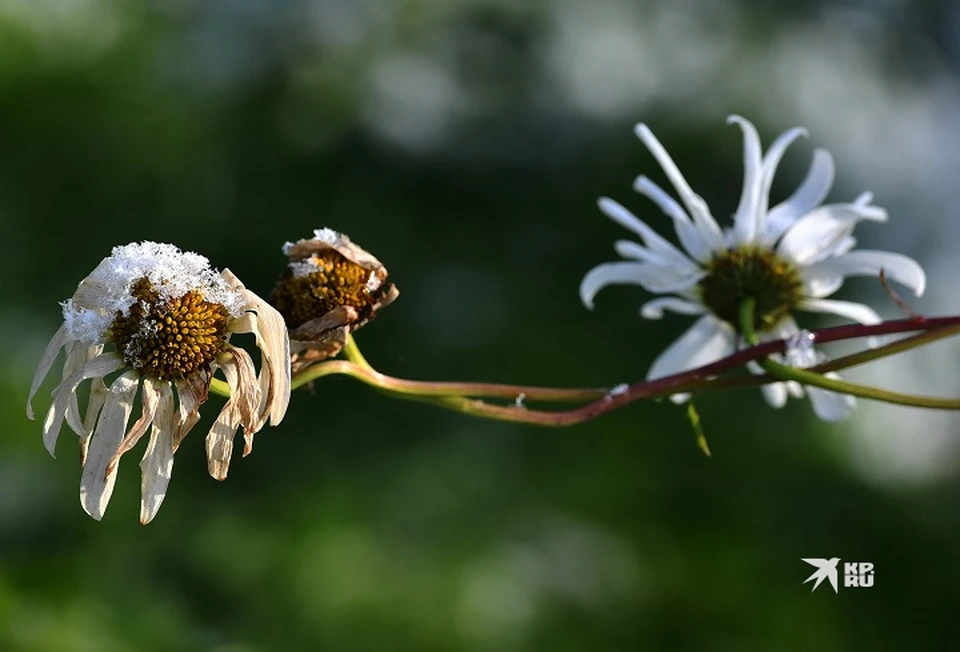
[697,429]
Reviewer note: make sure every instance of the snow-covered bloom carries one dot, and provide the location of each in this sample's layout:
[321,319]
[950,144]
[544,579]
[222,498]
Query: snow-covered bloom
[330,288]
[787,258]
[154,319]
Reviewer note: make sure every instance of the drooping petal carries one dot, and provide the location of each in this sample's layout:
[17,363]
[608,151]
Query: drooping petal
[98,395]
[653,278]
[245,388]
[811,192]
[270,331]
[654,309]
[156,466]
[96,482]
[817,233]
[657,244]
[706,341]
[830,406]
[699,212]
[100,366]
[219,442]
[746,221]
[78,355]
[691,238]
[50,353]
[192,392]
[896,267]
[150,399]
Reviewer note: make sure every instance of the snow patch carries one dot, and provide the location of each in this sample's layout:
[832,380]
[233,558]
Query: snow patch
[171,272]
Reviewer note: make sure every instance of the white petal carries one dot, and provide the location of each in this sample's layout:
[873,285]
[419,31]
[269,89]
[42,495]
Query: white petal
[156,466]
[96,482]
[633,251]
[819,283]
[50,353]
[653,278]
[654,309]
[690,236]
[864,262]
[708,340]
[830,406]
[795,389]
[668,254]
[697,208]
[856,311]
[746,222]
[818,233]
[771,161]
[775,394]
[100,366]
[811,192]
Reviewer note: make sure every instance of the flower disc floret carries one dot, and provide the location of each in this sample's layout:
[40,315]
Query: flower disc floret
[326,280]
[755,273]
[168,339]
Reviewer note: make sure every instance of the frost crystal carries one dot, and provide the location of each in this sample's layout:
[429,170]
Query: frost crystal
[329,236]
[622,388]
[303,268]
[800,351]
[171,272]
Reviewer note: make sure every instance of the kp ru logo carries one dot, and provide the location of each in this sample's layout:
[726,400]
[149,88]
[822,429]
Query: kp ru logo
[856,574]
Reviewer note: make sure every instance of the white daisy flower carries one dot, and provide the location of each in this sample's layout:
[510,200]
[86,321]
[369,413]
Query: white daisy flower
[156,319]
[787,258]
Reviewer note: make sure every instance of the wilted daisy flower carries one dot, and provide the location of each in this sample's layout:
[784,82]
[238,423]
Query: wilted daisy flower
[331,287]
[787,258]
[155,319]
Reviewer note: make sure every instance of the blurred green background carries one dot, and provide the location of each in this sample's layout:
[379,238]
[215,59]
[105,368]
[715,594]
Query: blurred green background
[464,143]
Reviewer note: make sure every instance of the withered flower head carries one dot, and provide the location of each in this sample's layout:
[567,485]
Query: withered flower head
[153,317]
[330,288]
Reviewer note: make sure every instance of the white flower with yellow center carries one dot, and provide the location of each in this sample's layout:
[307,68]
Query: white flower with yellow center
[787,258]
[155,319]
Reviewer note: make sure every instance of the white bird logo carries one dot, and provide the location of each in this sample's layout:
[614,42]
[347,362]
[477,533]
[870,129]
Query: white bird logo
[826,569]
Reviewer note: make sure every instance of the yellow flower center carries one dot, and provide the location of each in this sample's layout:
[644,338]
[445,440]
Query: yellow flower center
[749,272]
[168,339]
[334,281]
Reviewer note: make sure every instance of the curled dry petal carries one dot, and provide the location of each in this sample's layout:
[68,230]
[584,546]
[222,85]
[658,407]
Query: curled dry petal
[97,480]
[50,353]
[270,331]
[156,466]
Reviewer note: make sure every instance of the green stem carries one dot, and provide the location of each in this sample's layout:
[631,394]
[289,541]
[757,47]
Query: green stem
[814,379]
[432,390]
[352,351]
